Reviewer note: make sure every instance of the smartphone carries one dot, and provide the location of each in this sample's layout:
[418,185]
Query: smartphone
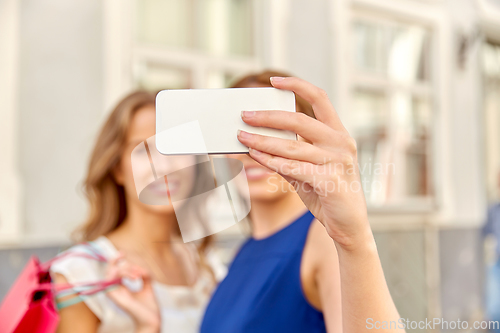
[206,121]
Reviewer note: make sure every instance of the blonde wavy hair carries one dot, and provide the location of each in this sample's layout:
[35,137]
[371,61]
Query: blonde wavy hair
[106,198]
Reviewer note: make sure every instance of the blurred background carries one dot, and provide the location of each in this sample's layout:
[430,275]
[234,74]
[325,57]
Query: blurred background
[416,82]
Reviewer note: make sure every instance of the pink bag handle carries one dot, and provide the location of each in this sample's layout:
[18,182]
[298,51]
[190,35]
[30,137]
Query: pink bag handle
[98,285]
[79,296]
[93,287]
[95,255]
[89,289]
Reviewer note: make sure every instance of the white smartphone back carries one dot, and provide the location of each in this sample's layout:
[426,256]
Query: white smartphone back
[206,121]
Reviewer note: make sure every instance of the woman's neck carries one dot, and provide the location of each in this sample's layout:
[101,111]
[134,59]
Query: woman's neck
[144,230]
[268,217]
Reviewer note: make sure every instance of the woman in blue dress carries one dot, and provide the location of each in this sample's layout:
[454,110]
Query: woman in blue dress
[311,264]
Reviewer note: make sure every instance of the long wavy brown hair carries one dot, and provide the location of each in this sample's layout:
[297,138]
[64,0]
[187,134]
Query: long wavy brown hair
[107,204]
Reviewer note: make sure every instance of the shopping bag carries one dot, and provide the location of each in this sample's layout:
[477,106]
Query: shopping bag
[30,305]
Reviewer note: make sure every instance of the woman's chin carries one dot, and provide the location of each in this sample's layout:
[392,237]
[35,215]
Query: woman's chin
[264,193]
[161,209]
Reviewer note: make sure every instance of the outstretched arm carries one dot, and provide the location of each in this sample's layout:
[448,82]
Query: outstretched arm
[325,174]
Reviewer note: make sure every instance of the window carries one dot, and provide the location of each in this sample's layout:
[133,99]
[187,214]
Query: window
[192,43]
[391,98]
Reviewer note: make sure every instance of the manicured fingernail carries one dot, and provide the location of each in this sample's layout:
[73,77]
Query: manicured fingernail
[247,114]
[277,78]
[243,134]
[254,151]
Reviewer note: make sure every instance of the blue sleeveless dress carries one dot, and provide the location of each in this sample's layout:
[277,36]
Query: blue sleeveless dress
[262,291]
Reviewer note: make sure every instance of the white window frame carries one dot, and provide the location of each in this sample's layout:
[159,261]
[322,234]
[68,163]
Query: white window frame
[121,54]
[434,19]
[490,24]
[422,217]
[428,219]
[10,180]
[491,153]
[197,63]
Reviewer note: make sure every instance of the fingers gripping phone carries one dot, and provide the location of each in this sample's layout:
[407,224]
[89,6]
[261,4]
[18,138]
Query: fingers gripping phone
[206,121]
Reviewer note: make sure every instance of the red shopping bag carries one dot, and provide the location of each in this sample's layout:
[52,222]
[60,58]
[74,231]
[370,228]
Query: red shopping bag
[30,305]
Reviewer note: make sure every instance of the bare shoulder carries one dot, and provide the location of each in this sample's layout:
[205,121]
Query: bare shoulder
[59,278]
[76,318]
[319,246]
[319,263]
